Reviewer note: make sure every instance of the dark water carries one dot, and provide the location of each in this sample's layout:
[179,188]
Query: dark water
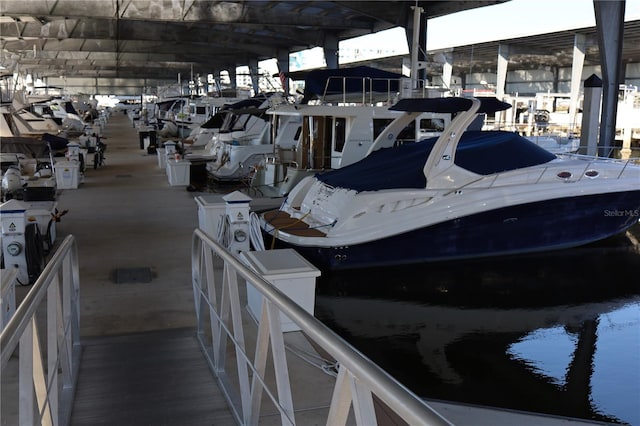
[557,333]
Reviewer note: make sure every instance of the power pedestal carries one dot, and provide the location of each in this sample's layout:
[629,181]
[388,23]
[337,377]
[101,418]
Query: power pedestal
[25,228]
[237,212]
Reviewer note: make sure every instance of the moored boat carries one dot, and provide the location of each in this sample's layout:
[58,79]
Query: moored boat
[465,194]
[243,140]
[334,125]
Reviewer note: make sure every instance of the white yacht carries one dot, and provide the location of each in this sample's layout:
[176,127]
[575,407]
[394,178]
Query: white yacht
[342,113]
[464,194]
[243,140]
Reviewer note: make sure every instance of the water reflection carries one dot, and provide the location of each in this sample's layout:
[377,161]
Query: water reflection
[555,333]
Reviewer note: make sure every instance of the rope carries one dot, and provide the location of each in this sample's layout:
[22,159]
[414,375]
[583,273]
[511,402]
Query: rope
[277,229]
[223,235]
[255,233]
[328,367]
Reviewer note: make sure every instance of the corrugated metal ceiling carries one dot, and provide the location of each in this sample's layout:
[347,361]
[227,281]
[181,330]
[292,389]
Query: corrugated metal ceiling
[159,38]
[156,39]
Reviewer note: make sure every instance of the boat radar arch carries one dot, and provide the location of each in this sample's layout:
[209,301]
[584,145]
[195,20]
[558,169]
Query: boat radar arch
[451,105]
[440,169]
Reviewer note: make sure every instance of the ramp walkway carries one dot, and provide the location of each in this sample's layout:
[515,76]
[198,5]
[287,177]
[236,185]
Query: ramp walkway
[150,378]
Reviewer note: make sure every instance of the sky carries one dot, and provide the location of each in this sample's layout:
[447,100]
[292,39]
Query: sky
[515,18]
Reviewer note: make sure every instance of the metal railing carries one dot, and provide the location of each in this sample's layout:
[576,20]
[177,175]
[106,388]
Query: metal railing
[575,173]
[360,384]
[46,370]
[370,90]
[8,281]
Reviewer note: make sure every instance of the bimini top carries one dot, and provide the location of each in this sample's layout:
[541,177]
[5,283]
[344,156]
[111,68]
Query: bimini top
[400,167]
[449,105]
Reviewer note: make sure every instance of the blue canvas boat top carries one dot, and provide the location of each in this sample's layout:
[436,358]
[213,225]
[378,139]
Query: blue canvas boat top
[449,105]
[481,152]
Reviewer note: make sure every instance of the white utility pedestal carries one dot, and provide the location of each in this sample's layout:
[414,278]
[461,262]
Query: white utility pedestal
[238,210]
[211,211]
[13,220]
[73,152]
[162,158]
[290,273]
[67,173]
[15,217]
[178,172]
[169,151]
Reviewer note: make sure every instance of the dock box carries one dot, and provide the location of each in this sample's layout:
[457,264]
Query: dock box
[178,172]
[290,273]
[211,210]
[67,174]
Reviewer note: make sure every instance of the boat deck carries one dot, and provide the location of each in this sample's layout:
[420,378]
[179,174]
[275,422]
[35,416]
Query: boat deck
[281,220]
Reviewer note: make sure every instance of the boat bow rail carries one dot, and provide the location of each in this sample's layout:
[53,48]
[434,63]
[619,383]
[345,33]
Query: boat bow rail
[359,386]
[47,371]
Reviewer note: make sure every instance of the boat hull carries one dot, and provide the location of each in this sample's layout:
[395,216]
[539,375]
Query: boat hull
[525,228]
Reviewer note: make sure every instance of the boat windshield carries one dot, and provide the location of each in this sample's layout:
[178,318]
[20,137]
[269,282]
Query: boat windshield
[399,167]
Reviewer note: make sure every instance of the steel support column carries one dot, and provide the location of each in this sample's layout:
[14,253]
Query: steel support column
[283,69]
[416,29]
[610,27]
[579,46]
[501,78]
[330,49]
[255,77]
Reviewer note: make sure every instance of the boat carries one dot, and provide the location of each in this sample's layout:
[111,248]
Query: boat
[20,122]
[243,140]
[341,114]
[63,113]
[203,133]
[196,111]
[27,169]
[465,194]
[225,118]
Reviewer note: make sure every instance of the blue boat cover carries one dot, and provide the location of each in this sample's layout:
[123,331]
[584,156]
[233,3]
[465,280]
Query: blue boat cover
[449,105]
[55,142]
[399,167]
[315,82]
